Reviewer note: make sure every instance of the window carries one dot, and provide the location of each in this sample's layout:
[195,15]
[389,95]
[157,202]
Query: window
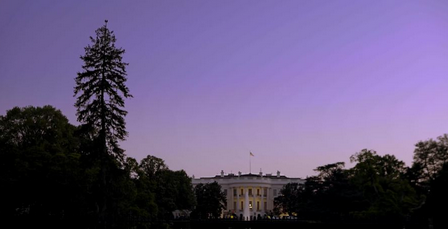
[258,192]
[241,205]
[225,192]
[242,191]
[250,192]
[265,206]
[250,205]
[258,205]
[265,191]
[234,192]
[234,205]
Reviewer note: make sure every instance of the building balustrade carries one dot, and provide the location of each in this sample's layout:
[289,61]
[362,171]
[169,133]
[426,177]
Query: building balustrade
[250,195]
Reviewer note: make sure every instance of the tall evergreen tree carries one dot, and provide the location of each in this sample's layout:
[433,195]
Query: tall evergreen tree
[101,89]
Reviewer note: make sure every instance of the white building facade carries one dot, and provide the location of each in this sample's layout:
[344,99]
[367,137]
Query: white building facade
[249,195]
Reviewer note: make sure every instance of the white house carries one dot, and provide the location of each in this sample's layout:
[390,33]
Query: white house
[249,195]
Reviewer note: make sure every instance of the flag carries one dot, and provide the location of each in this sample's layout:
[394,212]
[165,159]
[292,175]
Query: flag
[251,154]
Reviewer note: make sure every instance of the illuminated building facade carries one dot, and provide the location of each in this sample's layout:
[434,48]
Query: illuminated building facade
[249,195]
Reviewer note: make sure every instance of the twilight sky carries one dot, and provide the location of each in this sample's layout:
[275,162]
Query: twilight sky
[299,83]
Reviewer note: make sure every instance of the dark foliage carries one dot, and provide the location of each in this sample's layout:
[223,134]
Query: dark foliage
[429,158]
[437,202]
[40,169]
[211,200]
[373,191]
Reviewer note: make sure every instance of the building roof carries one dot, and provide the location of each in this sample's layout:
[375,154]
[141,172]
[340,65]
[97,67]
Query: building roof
[232,175]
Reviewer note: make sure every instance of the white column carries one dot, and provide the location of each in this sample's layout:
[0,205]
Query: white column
[262,199]
[254,201]
[237,199]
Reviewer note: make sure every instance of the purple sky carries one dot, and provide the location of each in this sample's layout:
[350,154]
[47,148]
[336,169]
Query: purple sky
[300,84]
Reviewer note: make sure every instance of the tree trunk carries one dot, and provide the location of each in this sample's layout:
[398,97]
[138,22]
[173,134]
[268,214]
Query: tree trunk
[103,157]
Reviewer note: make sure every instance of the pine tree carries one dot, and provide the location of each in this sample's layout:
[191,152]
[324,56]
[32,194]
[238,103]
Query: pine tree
[102,87]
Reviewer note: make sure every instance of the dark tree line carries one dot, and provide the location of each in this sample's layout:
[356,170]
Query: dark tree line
[378,189]
[48,175]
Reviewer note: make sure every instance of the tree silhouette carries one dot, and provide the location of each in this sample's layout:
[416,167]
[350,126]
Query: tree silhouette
[429,158]
[211,200]
[288,200]
[101,89]
[383,183]
[40,169]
